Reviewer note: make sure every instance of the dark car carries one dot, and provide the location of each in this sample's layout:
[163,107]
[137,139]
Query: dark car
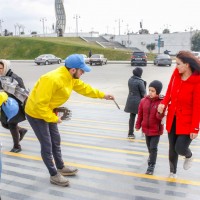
[138,58]
[98,59]
[47,59]
[162,59]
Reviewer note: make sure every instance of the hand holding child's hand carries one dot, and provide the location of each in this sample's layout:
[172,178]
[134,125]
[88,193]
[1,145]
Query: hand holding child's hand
[161,108]
[137,129]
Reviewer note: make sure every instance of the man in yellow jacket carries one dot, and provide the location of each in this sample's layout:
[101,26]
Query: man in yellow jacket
[51,91]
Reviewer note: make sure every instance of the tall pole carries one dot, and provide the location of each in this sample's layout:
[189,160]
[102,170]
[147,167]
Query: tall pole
[1,21]
[119,25]
[43,20]
[191,28]
[76,17]
[15,29]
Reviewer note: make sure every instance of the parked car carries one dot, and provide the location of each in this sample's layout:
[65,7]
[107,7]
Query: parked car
[47,59]
[138,58]
[162,59]
[87,60]
[98,59]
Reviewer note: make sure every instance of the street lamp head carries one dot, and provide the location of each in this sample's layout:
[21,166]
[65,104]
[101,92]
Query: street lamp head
[43,19]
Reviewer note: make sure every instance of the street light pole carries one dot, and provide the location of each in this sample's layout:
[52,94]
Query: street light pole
[119,24]
[76,17]
[15,29]
[191,29]
[43,20]
[1,21]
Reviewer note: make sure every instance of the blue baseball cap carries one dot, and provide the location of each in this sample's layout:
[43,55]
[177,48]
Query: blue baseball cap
[77,61]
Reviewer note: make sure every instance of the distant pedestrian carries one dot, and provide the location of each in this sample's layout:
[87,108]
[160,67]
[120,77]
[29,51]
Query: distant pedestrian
[137,90]
[150,121]
[90,54]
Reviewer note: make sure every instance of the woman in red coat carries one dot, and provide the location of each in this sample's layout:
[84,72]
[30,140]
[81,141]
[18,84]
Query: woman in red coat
[182,101]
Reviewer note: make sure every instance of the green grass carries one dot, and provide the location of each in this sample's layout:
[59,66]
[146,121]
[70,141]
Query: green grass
[15,48]
[27,48]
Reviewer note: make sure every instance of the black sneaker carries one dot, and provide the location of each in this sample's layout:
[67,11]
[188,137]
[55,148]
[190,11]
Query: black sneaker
[16,150]
[22,133]
[132,136]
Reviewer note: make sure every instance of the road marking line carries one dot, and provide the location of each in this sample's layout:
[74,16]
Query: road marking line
[103,148]
[112,171]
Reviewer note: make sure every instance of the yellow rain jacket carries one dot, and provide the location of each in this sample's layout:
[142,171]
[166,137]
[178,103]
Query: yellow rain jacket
[52,90]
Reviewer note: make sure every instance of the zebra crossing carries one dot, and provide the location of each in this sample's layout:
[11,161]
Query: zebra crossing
[111,167]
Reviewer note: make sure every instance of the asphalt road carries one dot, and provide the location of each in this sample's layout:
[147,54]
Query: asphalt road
[111,167]
[111,78]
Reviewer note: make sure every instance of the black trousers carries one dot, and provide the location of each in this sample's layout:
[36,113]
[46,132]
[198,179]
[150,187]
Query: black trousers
[178,145]
[131,123]
[14,130]
[152,145]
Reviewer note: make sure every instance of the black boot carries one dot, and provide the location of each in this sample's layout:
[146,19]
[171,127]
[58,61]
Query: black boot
[131,136]
[150,169]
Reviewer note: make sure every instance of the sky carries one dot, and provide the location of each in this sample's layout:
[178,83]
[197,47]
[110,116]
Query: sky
[103,16]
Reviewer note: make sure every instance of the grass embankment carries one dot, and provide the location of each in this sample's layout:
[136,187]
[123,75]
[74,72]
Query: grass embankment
[15,48]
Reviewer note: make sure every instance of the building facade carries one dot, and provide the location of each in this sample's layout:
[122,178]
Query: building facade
[172,42]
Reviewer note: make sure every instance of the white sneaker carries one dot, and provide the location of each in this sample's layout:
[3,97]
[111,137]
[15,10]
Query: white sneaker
[172,175]
[187,163]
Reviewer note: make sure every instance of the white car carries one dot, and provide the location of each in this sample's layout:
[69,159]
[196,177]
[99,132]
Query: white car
[98,59]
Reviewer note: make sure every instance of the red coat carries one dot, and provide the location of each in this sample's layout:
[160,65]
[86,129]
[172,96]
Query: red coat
[148,117]
[183,101]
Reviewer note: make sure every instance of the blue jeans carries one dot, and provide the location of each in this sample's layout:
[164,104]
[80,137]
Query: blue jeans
[49,138]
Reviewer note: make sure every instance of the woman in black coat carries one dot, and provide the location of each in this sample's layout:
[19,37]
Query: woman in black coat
[16,131]
[137,90]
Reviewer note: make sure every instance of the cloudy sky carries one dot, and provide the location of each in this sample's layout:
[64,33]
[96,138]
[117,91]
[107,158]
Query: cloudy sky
[103,15]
